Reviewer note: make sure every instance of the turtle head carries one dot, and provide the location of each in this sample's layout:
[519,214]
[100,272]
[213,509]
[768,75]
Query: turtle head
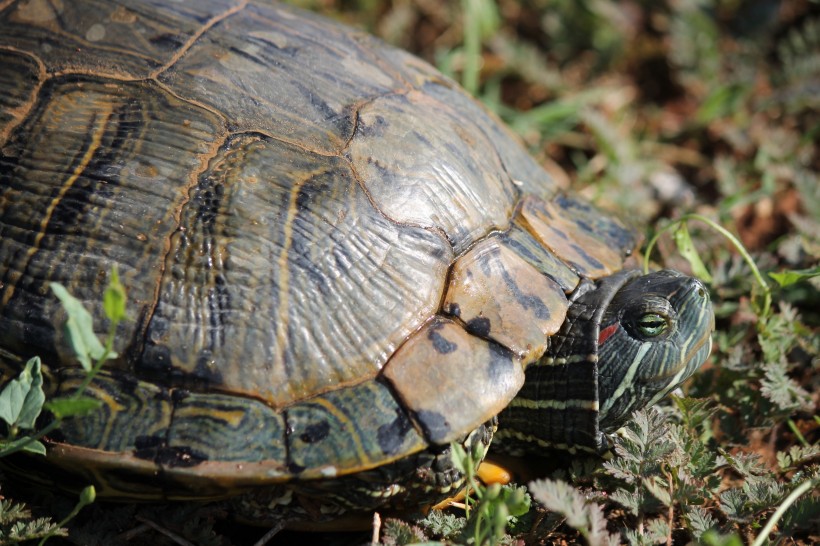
[654,333]
[626,342]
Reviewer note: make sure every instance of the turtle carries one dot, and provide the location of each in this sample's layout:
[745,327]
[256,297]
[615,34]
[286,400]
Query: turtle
[338,263]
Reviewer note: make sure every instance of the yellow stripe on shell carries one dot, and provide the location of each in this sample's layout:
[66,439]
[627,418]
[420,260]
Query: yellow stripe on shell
[341,417]
[94,145]
[284,274]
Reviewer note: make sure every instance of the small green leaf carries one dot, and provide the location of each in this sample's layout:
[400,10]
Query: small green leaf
[80,328]
[395,531]
[29,445]
[583,515]
[700,520]
[658,490]
[114,298]
[442,524]
[461,461]
[789,277]
[70,407]
[684,243]
[22,399]
[517,500]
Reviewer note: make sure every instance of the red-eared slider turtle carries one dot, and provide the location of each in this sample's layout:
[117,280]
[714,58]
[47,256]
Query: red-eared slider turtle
[337,262]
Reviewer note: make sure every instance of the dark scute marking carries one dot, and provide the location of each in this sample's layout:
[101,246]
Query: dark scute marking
[308,194]
[425,143]
[156,358]
[547,212]
[128,383]
[435,425]
[441,345]
[300,258]
[149,442]
[560,234]
[520,249]
[591,260]
[501,366]
[205,371]
[527,301]
[295,469]
[167,42]
[219,307]
[452,148]
[147,447]
[179,395]
[179,457]
[439,252]
[391,436]
[567,203]
[485,261]
[281,50]
[159,328]
[315,432]
[259,61]
[453,309]
[375,128]
[585,226]
[342,121]
[479,326]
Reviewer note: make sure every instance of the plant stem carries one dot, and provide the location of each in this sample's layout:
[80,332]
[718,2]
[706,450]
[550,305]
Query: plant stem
[30,439]
[767,294]
[793,496]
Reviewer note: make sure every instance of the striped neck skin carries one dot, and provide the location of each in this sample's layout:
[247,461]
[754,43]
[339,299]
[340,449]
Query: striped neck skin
[624,345]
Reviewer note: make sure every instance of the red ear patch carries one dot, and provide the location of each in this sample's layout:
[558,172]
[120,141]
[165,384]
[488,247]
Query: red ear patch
[607,332]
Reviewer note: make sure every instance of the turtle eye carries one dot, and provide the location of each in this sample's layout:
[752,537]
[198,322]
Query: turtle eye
[652,318]
[651,324]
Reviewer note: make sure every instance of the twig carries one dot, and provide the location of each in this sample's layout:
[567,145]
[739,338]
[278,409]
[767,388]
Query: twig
[132,533]
[160,529]
[377,528]
[272,532]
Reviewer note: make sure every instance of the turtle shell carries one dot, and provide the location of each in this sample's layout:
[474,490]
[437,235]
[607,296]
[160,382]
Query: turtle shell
[334,256]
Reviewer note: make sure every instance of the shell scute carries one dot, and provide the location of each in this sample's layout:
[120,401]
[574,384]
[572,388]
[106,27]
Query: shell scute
[82,189]
[203,424]
[20,77]
[571,236]
[525,173]
[599,225]
[525,245]
[449,182]
[133,414]
[283,281]
[127,42]
[349,429]
[300,82]
[452,381]
[502,297]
